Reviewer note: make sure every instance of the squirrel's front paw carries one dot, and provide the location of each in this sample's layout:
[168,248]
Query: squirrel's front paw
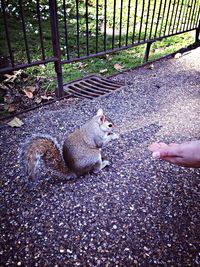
[106,163]
[103,164]
[115,136]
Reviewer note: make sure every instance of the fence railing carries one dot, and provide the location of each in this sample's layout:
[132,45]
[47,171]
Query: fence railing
[38,32]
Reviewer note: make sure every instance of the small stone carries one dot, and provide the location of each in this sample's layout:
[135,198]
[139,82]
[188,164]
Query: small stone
[150,66]
[177,55]
[146,248]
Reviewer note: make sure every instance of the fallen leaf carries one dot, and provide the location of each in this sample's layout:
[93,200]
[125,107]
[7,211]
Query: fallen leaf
[11,108]
[45,97]
[30,88]
[103,71]
[28,93]
[117,66]
[16,122]
[38,100]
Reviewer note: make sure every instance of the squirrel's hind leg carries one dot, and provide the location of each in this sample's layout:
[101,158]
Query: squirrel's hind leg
[100,165]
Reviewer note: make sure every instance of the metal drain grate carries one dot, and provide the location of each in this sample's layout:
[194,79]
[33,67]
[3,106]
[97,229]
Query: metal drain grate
[91,87]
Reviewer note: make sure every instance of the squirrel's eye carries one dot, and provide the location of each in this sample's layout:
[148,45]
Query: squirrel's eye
[110,125]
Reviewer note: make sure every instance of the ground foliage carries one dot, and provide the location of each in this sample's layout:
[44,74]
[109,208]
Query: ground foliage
[19,91]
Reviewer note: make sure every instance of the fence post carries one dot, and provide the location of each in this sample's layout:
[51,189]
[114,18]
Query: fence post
[56,46]
[146,56]
[197,40]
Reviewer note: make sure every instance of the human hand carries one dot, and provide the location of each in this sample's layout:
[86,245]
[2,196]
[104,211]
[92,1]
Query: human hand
[185,154]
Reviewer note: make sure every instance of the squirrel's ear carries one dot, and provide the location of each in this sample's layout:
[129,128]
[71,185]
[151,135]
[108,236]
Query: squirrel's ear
[100,112]
[101,119]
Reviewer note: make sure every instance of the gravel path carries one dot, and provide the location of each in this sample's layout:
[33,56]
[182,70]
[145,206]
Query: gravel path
[136,212]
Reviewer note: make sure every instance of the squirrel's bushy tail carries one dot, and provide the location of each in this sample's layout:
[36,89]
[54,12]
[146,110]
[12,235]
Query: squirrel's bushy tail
[43,154]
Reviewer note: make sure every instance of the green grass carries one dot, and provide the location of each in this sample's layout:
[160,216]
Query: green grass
[127,58]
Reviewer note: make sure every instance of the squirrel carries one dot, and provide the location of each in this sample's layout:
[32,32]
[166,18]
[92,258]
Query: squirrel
[80,154]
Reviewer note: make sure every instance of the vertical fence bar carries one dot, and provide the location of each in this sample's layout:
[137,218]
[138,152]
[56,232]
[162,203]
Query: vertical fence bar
[193,24]
[141,20]
[56,46]
[24,32]
[179,17]
[40,28]
[128,20]
[175,17]
[105,22]
[197,40]
[193,12]
[113,29]
[189,16]
[66,30]
[168,11]
[87,31]
[77,29]
[184,16]
[197,36]
[170,24]
[120,24]
[97,25]
[135,19]
[7,33]
[161,25]
[154,9]
[148,46]
[158,19]
[145,34]
[197,19]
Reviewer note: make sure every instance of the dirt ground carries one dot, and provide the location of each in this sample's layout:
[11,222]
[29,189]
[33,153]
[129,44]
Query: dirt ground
[136,212]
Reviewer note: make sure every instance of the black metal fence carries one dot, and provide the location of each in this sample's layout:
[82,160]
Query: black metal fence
[37,32]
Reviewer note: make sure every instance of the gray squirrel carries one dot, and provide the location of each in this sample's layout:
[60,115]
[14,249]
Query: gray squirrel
[80,154]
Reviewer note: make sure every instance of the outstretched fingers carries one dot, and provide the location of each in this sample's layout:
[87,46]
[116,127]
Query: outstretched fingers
[155,146]
[164,151]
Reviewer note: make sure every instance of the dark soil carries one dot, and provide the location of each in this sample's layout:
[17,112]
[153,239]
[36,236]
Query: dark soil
[136,212]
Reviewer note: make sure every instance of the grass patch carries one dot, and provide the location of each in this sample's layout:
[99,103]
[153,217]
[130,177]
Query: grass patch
[128,59]
[104,65]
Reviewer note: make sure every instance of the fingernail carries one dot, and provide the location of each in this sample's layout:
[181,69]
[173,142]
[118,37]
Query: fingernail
[156,155]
